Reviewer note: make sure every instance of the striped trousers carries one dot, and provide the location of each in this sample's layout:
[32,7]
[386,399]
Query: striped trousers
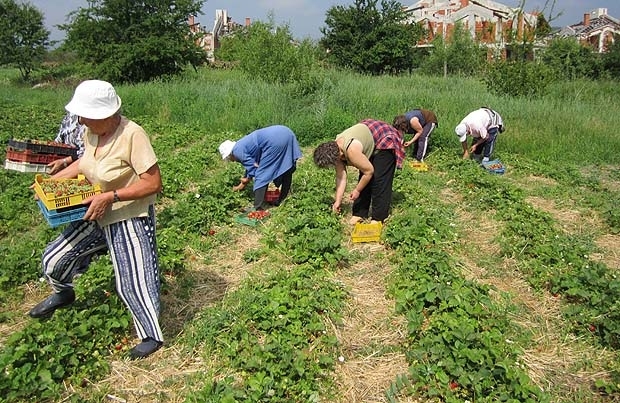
[133,251]
[420,147]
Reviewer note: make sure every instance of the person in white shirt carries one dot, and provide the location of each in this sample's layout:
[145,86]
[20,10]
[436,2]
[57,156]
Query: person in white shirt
[483,125]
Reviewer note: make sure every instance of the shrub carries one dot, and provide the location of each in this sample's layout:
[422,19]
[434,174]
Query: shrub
[457,54]
[570,60]
[270,53]
[518,78]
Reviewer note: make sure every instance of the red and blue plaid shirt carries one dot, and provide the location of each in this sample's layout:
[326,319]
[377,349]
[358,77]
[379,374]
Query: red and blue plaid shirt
[387,137]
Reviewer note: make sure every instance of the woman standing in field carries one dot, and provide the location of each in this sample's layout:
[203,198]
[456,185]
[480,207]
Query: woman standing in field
[119,157]
[268,155]
[420,123]
[376,149]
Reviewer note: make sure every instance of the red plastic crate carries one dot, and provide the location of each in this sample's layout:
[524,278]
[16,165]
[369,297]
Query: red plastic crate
[44,147]
[31,157]
[272,195]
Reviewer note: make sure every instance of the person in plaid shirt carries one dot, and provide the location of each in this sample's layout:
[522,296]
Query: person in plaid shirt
[376,149]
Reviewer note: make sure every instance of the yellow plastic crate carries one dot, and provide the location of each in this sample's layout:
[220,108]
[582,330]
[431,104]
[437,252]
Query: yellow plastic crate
[419,166]
[367,232]
[55,202]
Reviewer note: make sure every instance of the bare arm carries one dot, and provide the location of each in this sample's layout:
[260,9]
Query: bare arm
[417,127]
[242,182]
[341,184]
[465,151]
[69,172]
[360,161]
[483,137]
[148,184]
[59,164]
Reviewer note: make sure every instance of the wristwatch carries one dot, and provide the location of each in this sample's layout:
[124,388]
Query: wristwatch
[116,199]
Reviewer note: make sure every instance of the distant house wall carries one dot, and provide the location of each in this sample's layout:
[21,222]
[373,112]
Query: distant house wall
[489,22]
[597,29]
[210,40]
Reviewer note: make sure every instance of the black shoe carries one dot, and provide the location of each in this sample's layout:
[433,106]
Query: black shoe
[147,347]
[57,300]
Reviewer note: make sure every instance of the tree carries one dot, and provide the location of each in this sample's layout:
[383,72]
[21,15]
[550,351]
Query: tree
[367,39]
[134,41]
[457,54]
[611,59]
[269,52]
[23,37]
[571,60]
[542,26]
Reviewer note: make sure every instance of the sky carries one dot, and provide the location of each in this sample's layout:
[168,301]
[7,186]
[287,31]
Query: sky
[306,17]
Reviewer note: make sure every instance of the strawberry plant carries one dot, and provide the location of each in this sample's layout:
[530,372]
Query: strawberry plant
[554,260]
[457,347]
[71,346]
[273,333]
[309,235]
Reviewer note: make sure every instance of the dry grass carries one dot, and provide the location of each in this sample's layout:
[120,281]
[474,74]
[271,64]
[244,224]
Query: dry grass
[33,294]
[610,244]
[162,377]
[576,222]
[555,361]
[532,181]
[571,221]
[371,334]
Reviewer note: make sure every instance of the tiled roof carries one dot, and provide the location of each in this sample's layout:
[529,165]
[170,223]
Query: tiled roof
[595,24]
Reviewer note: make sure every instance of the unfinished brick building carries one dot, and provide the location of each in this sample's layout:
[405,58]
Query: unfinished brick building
[597,29]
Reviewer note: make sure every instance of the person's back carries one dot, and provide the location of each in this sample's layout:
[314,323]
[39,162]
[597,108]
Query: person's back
[71,132]
[483,125]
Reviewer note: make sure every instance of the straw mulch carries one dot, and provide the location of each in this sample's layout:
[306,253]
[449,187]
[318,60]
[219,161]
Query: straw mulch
[555,360]
[161,377]
[371,333]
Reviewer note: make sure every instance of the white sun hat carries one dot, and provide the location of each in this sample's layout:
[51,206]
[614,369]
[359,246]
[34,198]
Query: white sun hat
[226,148]
[461,131]
[94,99]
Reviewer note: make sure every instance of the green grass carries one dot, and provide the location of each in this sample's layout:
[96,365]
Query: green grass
[576,123]
[291,300]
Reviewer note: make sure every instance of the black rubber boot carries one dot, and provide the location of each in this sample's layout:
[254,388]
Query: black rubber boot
[57,300]
[147,347]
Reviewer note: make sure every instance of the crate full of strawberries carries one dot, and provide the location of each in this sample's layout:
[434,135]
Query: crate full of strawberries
[57,194]
[494,166]
[252,218]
